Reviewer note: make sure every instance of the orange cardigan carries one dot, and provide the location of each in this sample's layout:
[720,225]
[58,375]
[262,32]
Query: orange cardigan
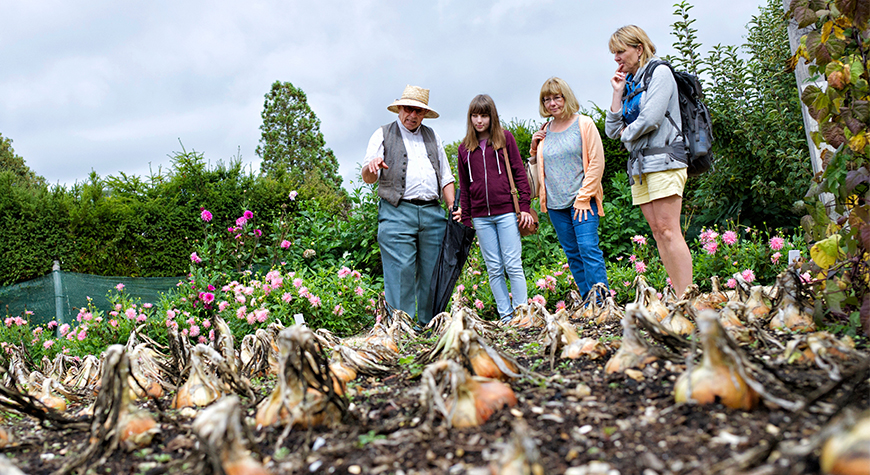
[593,168]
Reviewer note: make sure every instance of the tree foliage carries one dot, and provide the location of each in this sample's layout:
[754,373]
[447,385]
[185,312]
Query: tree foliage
[291,144]
[13,163]
[762,163]
[837,49]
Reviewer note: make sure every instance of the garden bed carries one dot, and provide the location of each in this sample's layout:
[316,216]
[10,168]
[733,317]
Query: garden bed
[578,417]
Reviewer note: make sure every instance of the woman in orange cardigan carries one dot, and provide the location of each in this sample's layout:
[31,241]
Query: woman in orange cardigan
[570,158]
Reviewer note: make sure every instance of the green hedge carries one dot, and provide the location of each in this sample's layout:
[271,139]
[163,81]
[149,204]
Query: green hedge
[132,226]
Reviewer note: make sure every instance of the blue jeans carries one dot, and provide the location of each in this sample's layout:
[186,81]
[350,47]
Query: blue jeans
[410,239]
[499,239]
[579,240]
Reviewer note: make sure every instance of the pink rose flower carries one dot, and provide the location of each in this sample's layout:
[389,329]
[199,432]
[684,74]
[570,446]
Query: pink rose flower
[130,313]
[194,331]
[119,287]
[314,301]
[114,323]
[748,275]
[338,310]
[205,215]
[640,267]
[732,283]
[478,304]
[343,272]
[248,215]
[730,238]
[639,239]
[359,291]
[287,297]
[195,258]
[223,305]
[285,244]
[48,344]
[775,257]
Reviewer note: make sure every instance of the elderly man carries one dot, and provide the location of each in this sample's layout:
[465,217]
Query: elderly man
[408,160]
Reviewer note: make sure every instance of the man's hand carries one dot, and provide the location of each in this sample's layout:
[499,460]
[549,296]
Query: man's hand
[457,215]
[370,172]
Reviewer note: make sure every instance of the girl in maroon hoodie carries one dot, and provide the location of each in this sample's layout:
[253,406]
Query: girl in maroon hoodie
[487,204]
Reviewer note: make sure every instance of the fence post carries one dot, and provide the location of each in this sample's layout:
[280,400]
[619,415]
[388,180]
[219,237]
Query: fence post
[59,314]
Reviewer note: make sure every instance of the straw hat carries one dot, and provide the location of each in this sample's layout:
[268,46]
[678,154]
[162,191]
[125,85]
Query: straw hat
[415,97]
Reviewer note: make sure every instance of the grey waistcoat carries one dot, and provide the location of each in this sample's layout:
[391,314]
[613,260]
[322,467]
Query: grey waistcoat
[391,184]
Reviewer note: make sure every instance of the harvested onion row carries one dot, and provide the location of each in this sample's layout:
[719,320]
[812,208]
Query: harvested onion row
[347,362]
[530,315]
[461,342]
[460,399]
[823,349]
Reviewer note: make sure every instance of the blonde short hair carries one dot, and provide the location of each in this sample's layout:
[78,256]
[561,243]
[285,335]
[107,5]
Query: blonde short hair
[552,87]
[633,36]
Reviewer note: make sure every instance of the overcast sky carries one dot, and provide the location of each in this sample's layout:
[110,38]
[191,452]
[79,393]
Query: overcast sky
[113,86]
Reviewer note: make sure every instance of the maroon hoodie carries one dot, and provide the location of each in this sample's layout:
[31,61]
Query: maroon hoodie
[484,186]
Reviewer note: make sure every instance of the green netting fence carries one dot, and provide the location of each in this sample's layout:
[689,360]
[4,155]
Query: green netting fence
[60,295]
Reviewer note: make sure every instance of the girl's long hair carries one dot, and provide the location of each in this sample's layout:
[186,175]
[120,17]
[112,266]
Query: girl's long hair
[483,104]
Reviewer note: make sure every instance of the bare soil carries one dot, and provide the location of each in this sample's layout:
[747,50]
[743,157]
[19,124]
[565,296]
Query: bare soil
[631,424]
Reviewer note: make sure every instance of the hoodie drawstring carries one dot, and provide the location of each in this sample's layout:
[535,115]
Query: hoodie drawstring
[468,162]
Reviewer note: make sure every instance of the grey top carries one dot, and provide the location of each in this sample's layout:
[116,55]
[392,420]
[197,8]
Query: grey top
[651,128]
[563,166]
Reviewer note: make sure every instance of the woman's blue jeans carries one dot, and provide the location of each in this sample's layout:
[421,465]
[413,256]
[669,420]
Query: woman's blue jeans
[579,240]
[502,251]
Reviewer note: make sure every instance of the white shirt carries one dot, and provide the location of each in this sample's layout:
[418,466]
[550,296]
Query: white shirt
[420,181]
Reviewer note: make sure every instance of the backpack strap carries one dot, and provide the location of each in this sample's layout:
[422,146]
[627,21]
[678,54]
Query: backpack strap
[647,75]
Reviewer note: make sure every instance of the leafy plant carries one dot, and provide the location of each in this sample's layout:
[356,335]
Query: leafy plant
[839,203]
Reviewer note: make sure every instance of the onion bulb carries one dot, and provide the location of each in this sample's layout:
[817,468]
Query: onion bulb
[790,312]
[220,426]
[847,452]
[756,307]
[677,322]
[634,351]
[715,379]
[308,393]
[470,400]
[201,388]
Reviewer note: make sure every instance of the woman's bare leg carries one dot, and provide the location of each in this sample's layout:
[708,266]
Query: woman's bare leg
[663,216]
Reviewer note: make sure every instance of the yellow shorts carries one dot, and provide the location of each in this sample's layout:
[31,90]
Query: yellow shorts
[658,185]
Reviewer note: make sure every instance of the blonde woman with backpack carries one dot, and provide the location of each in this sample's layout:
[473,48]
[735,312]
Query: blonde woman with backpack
[487,203]
[645,123]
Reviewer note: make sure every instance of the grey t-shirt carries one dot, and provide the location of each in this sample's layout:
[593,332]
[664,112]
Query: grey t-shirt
[563,166]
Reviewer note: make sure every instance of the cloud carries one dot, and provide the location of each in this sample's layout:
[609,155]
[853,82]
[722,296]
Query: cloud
[113,86]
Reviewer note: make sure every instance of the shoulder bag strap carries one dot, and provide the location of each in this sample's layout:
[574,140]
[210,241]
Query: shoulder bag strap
[510,174]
